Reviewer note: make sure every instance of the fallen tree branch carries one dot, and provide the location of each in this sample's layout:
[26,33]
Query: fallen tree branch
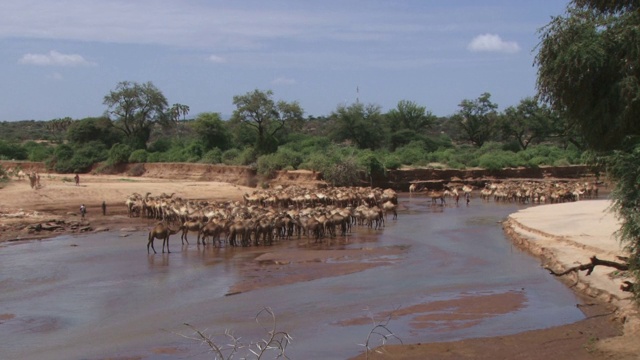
[590,266]
[627,286]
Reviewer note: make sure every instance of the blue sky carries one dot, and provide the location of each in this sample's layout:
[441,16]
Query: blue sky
[60,58]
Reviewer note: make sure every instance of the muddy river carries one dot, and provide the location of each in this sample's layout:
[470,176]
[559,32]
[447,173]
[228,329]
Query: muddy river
[101,296]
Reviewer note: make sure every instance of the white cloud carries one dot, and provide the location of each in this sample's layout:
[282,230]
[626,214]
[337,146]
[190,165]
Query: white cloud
[217,59]
[283,81]
[492,43]
[54,58]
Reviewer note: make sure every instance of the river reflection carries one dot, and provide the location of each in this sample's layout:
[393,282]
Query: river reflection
[102,295]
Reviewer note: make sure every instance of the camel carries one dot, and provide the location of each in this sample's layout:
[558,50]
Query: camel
[435,195]
[389,206]
[33,180]
[161,231]
[193,226]
[212,229]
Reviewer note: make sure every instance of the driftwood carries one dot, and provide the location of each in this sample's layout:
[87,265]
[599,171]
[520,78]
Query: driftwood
[594,261]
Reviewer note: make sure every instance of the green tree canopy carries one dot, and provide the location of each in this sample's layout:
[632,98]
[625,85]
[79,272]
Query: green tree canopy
[212,131]
[476,119]
[360,124]
[93,129]
[257,110]
[527,123]
[589,68]
[136,108]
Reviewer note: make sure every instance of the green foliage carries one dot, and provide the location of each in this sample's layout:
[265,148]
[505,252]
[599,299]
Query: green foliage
[280,160]
[212,131]
[160,145]
[38,151]
[213,156]
[16,131]
[499,159]
[476,120]
[257,110]
[230,157]
[138,156]
[622,168]
[343,173]
[392,162]
[92,129]
[12,151]
[412,154]
[589,68]
[135,109]
[63,152]
[359,124]
[119,154]
[67,159]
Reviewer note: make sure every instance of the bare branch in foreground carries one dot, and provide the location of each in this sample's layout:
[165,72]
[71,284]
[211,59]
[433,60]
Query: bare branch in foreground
[276,341]
[381,331]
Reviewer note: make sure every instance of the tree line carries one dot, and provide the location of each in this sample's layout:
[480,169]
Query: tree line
[139,126]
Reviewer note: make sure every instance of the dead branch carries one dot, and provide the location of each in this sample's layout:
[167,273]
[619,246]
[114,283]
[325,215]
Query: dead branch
[591,266]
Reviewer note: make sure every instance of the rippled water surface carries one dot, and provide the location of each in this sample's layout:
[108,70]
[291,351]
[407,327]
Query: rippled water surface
[101,295]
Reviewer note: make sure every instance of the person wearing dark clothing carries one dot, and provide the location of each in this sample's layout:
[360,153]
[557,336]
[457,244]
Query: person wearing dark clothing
[104,208]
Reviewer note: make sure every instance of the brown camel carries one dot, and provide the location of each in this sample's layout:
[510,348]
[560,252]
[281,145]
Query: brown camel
[193,226]
[161,231]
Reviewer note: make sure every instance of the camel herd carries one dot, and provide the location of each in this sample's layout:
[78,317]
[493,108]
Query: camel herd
[266,216]
[539,192]
[34,177]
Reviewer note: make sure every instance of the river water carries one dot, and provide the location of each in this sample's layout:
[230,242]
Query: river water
[101,296]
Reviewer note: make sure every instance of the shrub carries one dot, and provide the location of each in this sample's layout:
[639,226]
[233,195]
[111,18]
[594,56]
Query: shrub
[38,152]
[119,154]
[230,156]
[392,162]
[213,156]
[12,151]
[138,156]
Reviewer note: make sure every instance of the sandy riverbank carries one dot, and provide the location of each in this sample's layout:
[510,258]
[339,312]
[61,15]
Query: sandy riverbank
[561,235]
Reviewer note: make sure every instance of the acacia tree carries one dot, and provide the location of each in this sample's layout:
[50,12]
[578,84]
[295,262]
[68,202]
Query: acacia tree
[360,124]
[527,123]
[476,119]
[589,69]
[257,110]
[407,122]
[136,108]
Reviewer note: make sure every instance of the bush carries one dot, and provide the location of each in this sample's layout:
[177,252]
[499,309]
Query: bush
[38,151]
[160,145]
[138,156]
[392,162]
[213,156]
[230,156]
[11,151]
[119,154]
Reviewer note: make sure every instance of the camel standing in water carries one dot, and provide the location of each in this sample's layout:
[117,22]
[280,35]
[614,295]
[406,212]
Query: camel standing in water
[195,226]
[161,231]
